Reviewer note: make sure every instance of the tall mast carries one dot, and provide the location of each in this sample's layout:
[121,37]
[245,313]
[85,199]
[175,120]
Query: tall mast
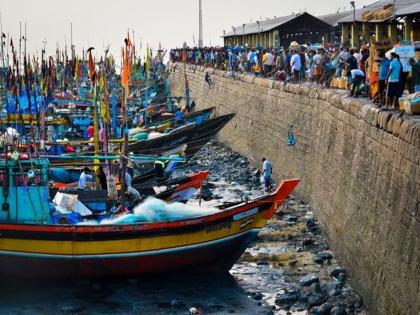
[71,40]
[25,41]
[20,42]
[200,31]
[7,48]
[1,37]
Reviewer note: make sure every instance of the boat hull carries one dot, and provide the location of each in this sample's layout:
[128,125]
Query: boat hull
[204,244]
[218,256]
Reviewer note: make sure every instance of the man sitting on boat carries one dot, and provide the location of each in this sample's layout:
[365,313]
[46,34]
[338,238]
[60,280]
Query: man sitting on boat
[159,169]
[83,179]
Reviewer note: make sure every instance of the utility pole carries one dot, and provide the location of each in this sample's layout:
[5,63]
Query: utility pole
[200,28]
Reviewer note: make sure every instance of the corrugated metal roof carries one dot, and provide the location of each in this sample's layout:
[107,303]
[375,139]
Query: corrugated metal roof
[410,9]
[401,9]
[333,18]
[267,25]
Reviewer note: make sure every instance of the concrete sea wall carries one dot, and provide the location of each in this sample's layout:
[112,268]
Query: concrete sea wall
[359,169]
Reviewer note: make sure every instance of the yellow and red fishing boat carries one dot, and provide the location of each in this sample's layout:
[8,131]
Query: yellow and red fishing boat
[209,243]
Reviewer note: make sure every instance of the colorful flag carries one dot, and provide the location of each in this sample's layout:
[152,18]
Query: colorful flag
[91,66]
[147,59]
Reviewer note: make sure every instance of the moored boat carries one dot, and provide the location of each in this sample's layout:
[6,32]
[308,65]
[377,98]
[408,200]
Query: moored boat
[210,243]
[195,136]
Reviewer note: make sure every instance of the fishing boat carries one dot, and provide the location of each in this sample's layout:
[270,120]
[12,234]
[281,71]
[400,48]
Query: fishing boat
[179,189]
[31,246]
[205,132]
[194,117]
[165,142]
[195,136]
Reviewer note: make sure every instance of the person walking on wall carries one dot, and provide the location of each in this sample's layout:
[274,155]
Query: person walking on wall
[268,60]
[383,74]
[393,80]
[295,64]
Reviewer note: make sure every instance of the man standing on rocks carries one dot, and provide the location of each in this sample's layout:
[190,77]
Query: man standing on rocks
[266,173]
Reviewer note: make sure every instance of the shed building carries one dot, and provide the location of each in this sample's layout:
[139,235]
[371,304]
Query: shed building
[280,31]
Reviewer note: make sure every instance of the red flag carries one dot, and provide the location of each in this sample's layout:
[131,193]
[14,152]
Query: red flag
[91,66]
[129,44]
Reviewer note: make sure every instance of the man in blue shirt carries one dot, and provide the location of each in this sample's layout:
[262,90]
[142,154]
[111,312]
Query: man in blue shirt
[394,71]
[383,74]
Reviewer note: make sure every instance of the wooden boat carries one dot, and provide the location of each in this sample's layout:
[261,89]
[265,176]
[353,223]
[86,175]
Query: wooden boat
[164,143]
[205,132]
[178,189]
[209,243]
[175,190]
[193,117]
[195,136]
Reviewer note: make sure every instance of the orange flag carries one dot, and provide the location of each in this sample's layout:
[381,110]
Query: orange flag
[91,66]
[125,75]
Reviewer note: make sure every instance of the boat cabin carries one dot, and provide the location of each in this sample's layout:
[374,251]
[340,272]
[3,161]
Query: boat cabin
[24,191]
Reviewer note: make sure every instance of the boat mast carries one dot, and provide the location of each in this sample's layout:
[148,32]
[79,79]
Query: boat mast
[71,40]
[25,41]
[126,90]
[1,41]
[20,42]
[94,81]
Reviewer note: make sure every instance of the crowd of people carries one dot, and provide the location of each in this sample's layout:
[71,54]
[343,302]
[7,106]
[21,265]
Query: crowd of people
[299,63]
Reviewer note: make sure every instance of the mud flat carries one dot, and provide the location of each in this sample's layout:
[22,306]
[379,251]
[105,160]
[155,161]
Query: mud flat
[291,267]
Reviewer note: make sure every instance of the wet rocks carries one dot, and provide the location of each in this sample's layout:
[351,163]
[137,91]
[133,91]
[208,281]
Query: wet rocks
[320,257]
[257,296]
[291,256]
[338,310]
[315,299]
[336,271]
[291,219]
[324,309]
[288,298]
[308,280]
[308,241]
[72,309]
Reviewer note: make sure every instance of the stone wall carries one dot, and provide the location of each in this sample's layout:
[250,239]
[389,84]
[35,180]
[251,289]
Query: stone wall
[359,169]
